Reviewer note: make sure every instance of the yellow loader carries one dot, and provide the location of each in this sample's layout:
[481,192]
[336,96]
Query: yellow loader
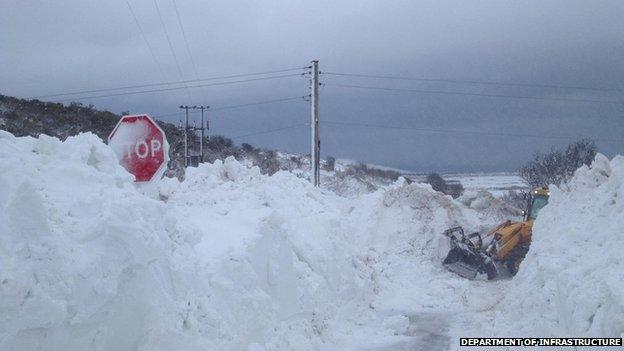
[506,245]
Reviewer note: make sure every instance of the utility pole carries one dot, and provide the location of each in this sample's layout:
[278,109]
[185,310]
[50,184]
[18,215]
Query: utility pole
[194,128]
[186,108]
[201,141]
[316,140]
[208,127]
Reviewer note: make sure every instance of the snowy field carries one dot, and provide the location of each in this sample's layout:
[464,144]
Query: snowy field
[231,259]
[498,184]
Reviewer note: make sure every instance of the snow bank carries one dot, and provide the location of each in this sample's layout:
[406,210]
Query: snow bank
[227,259]
[85,260]
[572,280]
[231,259]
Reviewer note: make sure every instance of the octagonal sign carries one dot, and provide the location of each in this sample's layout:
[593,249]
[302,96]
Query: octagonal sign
[141,147]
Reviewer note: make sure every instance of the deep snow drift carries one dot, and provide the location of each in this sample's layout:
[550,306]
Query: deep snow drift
[572,280]
[231,259]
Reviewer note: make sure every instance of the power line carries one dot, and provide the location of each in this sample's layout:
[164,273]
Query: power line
[188,49]
[435,130]
[271,130]
[175,57]
[471,82]
[167,83]
[151,50]
[178,88]
[444,92]
[227,107]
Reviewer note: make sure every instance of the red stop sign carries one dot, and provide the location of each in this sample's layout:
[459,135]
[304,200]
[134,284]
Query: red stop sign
[140,146]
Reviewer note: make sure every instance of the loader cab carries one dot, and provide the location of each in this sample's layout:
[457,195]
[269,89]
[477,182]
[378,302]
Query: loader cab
[538,198]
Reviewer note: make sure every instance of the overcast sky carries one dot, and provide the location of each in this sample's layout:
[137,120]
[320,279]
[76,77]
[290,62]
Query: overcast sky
[49,47]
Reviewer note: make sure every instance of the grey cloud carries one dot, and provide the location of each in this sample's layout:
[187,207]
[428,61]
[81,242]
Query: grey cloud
[52,46]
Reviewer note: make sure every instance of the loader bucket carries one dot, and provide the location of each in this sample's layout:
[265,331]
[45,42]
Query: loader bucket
[463,262]
[466,257]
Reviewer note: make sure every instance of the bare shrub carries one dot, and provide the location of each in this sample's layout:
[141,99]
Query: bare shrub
[247,147]
[362,169]
[268,162]
[436,181]
[516,198]
[558,166]
[297,161]
[454,188]
[330,164]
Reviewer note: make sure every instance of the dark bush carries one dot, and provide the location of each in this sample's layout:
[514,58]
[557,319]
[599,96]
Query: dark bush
[453,188]
[297,161]
[247,147]
[558,166]
[516,198]
[219,143]
[436,181]
[361,169]
[330,163]
[269,163]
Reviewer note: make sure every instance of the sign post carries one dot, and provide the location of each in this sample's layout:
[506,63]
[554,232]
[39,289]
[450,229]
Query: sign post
[141,147]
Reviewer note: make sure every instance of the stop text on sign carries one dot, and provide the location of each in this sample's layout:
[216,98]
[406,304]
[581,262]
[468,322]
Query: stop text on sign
[141,147]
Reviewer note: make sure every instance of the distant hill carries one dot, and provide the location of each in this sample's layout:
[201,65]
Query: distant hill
[23,117]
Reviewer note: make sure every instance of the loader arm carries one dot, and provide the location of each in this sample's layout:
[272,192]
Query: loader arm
[507,238]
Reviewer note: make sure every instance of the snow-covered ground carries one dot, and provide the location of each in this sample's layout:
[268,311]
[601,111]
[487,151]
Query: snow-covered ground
[231,259]
[575,268]
[498,184]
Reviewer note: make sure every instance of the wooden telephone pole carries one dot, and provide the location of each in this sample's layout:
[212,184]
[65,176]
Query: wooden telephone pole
[187,157]
[315,161]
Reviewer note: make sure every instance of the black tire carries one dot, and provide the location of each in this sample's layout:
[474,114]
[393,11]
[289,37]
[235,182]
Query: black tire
[511,267]
[490,270]
[515,257]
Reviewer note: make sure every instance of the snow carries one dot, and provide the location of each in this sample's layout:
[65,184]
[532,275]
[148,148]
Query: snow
[125,136]
[488,205]
[571,282]
[230,259]
[496,183]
